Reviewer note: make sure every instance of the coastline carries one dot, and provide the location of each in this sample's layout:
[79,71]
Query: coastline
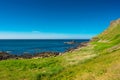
[5,55]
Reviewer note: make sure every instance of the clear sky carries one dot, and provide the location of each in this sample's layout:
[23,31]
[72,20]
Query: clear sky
[44,19]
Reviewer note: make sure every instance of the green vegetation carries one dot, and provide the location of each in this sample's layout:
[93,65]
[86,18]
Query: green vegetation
[99,60]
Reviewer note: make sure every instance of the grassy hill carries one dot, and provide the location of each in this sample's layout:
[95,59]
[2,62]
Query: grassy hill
[99,60]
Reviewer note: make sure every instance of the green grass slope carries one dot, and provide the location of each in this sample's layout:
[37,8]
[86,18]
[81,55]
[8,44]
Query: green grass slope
[100,60]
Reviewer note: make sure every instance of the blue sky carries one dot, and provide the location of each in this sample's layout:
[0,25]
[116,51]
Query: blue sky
[56,19]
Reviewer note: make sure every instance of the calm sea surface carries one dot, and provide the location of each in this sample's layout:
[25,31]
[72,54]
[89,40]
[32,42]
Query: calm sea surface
[19,47]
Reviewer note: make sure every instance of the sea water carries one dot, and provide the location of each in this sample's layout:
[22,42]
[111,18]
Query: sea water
[21,46]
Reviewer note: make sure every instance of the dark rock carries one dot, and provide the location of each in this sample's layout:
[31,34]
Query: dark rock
[4,56]
[46,54]
[26,56]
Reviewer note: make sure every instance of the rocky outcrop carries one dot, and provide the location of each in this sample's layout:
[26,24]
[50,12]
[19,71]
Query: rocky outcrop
[46,54]
[115,22]
[71,42]
[83,44]
[26,56]
[4,56]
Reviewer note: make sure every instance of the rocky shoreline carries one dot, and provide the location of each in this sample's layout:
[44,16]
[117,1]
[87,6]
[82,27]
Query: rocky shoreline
[5,55]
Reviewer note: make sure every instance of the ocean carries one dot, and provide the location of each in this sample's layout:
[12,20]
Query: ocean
[21,46]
